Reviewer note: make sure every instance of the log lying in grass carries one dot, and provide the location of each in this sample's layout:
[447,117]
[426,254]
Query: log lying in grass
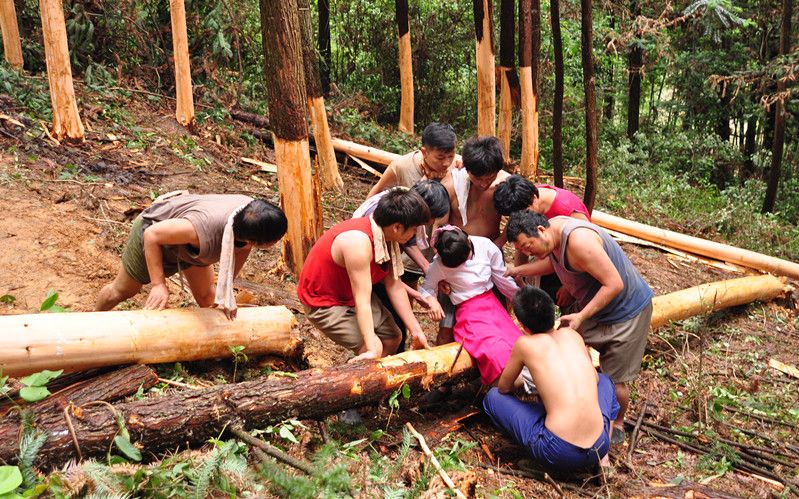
[80,341]
[698,245]
[194,416]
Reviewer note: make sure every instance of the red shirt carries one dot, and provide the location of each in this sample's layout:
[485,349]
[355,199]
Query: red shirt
[564,204]
[323,282]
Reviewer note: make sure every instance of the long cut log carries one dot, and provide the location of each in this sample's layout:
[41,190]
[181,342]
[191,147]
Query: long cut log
[698,245]
[194,416]
[66,118]
[80,341]
[12,47]
[184,110]
[486,79]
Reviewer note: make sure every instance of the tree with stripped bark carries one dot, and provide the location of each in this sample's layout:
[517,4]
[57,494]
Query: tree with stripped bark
[557,101]
[405,66]
[589,88]
[507,72]
[486,79]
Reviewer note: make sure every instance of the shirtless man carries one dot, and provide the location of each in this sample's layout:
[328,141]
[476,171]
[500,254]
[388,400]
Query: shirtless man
[570,430]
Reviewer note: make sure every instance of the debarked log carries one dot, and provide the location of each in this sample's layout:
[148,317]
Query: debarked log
[193,416]
[84,340]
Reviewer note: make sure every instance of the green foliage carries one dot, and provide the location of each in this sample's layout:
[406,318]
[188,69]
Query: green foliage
[10,479]
[211,467]
[8,299]
[35,388]
[29,447]
[49,303]
[238,356]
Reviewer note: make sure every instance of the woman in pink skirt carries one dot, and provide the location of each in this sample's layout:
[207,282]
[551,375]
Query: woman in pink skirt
[473,266]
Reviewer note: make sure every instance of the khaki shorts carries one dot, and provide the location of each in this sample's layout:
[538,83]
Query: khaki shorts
[620,346]
[340,324]
[133,260]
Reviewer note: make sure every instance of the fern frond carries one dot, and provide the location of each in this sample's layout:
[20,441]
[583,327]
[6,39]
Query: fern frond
[29,447]
[211,467]
[102,478]
[405,447]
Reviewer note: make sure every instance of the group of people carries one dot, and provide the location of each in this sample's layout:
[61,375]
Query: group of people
[430,232]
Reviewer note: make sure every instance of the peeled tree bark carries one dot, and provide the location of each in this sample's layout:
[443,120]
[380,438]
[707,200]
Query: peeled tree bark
[66,118]
[184,110]
[84,340]
[486,79]
[12,46]
[405,67]
[527,78]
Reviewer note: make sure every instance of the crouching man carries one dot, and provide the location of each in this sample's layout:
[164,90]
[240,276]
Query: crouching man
[570,430]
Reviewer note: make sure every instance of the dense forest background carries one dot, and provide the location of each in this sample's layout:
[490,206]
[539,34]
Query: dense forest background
[696,159]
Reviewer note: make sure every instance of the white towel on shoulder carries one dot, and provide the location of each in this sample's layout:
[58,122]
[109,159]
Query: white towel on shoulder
[461,184]
[225,299]
[385,250]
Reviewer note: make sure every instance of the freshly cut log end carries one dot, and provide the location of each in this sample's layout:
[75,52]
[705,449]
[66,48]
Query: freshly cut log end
[184,110]
[328,166]
[80,341]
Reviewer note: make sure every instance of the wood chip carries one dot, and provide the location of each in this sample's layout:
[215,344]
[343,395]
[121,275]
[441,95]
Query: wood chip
[365,166]
[11,120]
[265,167]
[784,368]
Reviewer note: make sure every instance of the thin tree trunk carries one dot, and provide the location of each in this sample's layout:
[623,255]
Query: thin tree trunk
[486,79]
[557,105]
[285,77]
[527,82]
[405,66]
[12,46]
[507,64]
[184,110]
[589,85]
[66,118]
[327,166]
[324,44]
[535,73]
[634,63]
[609,94]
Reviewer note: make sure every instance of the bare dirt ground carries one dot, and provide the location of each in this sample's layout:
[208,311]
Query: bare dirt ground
[66,211]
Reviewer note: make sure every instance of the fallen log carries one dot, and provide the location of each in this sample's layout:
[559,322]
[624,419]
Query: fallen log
[80,341]
[194,416]
[698,245]
[714,296]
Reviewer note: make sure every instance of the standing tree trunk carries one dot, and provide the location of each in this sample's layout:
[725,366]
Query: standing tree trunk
[609,95]
[12,46]
[779,115]
[486,79]
[280,28]
[634,63]
[557,103]
[405,67]
[748,166]
[66,118]
[324,44]
[507,64]
[527,82]
[184,110]
[327,166]
[589,85]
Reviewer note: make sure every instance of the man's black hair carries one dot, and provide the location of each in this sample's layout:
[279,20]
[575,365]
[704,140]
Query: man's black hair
[524,222]
[435,195]
[401,206]
[439,136]
[482,155]
[514,194]
[260,222]
[453,247]
[534,309]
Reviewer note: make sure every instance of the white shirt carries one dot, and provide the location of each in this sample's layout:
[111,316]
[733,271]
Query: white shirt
[484,269]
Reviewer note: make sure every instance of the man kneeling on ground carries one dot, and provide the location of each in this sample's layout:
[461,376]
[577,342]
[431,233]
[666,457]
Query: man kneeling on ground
[570,430]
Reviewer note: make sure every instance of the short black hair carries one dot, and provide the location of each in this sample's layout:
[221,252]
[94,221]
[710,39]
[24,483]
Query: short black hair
[439,136]
[453,247]
[513,194]
[401,206]
[534,309]
[524,222]
[435,195]
[482,155]
[260,222]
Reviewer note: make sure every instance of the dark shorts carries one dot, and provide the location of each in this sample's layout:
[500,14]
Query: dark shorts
[524,422]
[133,260]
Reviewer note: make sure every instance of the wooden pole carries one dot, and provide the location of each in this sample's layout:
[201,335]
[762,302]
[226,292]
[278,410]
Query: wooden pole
[507,64]
[66,118]
[698,245]
[285,77]
[327,170]
[405,67]
[84,340]
[12,46]
[526,80]
[486,79]
[184,110]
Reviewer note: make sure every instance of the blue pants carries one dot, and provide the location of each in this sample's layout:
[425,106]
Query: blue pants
[524,422]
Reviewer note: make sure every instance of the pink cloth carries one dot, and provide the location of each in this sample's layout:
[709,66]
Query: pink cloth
[486,331]
[564,204]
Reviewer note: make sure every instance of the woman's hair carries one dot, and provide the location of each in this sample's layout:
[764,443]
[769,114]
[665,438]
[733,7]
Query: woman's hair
[260,222]
[453,247]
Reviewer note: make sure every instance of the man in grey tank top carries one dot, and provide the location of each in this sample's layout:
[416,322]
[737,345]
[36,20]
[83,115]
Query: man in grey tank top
[613,302]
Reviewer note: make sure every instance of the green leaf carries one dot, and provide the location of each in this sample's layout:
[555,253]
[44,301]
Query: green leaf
[34,393]
[406,391]
[49,301]
[41,378]
[127,447]
[10,479]
[286,433]
[8,299]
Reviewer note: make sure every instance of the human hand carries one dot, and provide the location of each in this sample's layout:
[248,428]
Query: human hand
[444,287]
[573,321]
[421,301]
[158,297]
[229,313]
[436,312]
[419,341]
[367,355]
[512,272]
[563,298]
[457,163]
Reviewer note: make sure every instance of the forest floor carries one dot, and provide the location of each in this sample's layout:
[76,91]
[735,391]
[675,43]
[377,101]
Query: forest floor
[66,214]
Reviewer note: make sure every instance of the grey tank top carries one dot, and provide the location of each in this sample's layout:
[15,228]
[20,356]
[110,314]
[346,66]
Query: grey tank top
[636,294]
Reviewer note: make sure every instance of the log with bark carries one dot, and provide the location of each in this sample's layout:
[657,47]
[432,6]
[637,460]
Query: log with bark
[79,341]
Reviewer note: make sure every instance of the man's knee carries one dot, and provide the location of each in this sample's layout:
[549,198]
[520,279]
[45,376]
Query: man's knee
[204,297]
[490,400]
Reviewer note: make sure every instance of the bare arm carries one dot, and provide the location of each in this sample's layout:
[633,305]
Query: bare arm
[416,255]
[506,285]
[389,179]
[538,267]
[240,255]
[175,231]
[513,368]
[399,299]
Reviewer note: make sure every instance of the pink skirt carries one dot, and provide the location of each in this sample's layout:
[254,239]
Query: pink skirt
[487,332]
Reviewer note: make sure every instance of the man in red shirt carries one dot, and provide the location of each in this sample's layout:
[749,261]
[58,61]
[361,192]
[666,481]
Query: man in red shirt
[336,281]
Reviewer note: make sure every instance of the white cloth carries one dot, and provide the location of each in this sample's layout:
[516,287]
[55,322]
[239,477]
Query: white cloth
[481,272]
[461,184]
[225,298]
[368,207]
[386,250]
